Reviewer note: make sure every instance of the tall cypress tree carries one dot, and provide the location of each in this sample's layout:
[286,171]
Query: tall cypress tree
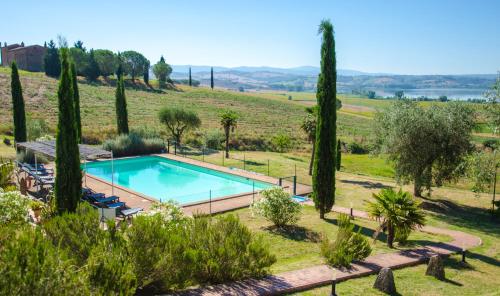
[121,107]
[190,80]
[68,185]
[326,130]
[92,72]
[76,95]
[51,62]
[147,65]
[339,155]
[18,106]
[212,78]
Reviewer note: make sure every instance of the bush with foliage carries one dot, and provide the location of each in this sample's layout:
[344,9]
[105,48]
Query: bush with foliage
[357,148]
[109,268]
[213,139]
[278,207]
[13,207]
[37,127]
[29,157]
[348,246]
[133,144]
[158,250]
[282,143]
[169,211]
[6,173]
[77,233]
[223,249]
[32,265]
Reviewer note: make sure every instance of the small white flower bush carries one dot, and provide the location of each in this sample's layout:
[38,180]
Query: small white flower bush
[278,207]
[169,211]
[13,207]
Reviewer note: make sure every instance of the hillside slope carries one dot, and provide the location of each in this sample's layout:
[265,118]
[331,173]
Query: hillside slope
[261,117]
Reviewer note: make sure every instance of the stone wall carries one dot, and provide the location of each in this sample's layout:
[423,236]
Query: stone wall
[28,58]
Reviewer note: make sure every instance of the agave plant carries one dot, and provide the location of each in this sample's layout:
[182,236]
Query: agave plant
[398,212]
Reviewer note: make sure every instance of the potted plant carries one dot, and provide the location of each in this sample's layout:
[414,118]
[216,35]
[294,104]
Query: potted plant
[37,207]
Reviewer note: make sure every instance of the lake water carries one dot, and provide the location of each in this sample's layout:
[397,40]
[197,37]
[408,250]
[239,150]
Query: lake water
[434,93]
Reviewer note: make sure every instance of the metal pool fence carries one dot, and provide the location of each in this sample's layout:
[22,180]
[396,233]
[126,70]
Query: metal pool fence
[217,157]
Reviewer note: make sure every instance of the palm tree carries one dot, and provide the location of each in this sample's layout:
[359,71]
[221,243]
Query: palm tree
[397,212]
[228,121]
[309,127]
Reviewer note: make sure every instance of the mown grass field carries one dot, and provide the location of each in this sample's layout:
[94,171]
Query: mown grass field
[260,117]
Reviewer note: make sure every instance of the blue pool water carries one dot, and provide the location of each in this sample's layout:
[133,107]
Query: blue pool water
[165,179]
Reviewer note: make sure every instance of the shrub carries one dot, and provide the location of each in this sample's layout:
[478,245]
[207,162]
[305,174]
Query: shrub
[490,143]
[36,128]
[357,148]
[348,246]
[132,144]
[169,211]
[31,265]
[29,157]
[158,252]
[281,143]
[75,232]
[278,207]
[147,132]
[109,268]
[13,207]
[6,173]
[223,249]
[213,139]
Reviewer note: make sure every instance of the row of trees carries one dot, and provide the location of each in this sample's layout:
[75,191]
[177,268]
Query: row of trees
[103,62]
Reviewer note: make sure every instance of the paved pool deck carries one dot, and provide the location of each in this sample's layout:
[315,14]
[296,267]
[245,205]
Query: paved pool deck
[135,199]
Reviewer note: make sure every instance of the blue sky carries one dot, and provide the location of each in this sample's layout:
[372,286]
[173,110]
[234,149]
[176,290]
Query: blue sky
[405,37]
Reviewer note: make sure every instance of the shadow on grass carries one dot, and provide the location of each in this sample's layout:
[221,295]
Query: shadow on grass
[464,216]
[293,158]
[255,163]
[296,233]
[367,184]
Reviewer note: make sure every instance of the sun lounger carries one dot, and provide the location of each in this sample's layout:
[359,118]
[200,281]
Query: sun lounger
[130,212]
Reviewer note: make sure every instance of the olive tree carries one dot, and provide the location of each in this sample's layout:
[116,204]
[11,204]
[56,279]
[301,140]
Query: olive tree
[493,107]
[178,121]
[134,63]
[107,61]
[426,145]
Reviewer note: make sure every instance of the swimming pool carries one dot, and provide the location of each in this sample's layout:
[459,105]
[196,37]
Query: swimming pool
[163,179]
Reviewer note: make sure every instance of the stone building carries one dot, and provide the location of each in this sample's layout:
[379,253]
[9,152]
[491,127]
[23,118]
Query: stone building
[28,58]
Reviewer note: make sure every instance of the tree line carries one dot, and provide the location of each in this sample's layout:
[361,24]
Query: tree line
[93,63]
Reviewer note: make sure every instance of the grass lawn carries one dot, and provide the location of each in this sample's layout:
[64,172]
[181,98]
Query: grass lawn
[474,278]
[298,247]
[7,151]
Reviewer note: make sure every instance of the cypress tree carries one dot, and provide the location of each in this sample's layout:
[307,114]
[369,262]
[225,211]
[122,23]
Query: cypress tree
[121,107]
[68,185]
[92,72]
[212,78]
[190,80]
[76,96]
[146,73]
[18,106]
[326,130]
[119,69]
[339,155]
[51,62]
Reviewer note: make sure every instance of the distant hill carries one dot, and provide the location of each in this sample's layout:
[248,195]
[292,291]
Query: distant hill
[305,79]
